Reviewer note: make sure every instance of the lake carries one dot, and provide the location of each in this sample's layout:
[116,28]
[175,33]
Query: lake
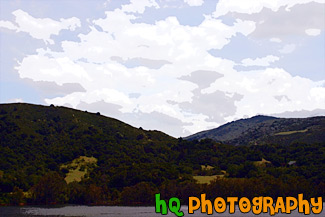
[113,211]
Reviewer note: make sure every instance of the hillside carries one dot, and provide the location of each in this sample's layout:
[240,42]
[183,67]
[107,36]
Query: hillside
[51,155]
[37,139]
[34,133]
[260,130]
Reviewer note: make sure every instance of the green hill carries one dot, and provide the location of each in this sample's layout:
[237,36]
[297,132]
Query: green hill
[49,136]
[37,139]
[51,155]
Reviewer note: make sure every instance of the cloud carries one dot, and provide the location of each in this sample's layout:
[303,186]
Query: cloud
[194,2]
[283,23]
[106,94]
[216,106]
[134,95]
[121,58]
[265,61]
[203,78]
[40,28]
[161,75]
[301,114]
[145,120]
[282,97]
[136,62]
[166,123]
[60,70]
[166,40]
[288,48]
[261,90]
[252,6]
[313,32]
[109,109]
[139,6]
[8,25]
[276,40]
[15,100]
[53,89]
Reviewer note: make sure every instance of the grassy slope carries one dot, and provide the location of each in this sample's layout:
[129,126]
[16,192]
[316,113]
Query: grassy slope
[78,168]
[290,132]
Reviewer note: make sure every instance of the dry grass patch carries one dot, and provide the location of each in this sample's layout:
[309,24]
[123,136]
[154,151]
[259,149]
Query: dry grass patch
[78,168]
[206,179]
[290,132]
[207,167]
[263,162]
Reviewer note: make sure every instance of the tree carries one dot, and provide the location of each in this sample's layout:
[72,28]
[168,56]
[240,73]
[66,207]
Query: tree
[17,196]
[51,189]
[94,194]
[142,193]
[77,193]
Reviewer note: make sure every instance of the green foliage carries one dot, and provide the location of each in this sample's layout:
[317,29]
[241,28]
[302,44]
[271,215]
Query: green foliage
[139,194]
[17,196]
[40,146]
[51,189]
[76,193]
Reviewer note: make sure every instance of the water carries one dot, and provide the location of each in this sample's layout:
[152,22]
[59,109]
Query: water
[116,211]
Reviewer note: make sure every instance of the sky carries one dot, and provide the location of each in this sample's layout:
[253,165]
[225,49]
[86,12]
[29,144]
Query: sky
[178,66]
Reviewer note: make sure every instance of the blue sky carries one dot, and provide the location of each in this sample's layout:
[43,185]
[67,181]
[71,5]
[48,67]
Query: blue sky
[179,66]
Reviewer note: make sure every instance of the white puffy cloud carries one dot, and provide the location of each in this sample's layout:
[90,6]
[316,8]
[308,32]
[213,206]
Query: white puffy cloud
[167,39]
[92,64]
[194,2]
[40,28]
[261,88]
[60,70]
[313,32]
[265,61]
[163,72]
[8,25]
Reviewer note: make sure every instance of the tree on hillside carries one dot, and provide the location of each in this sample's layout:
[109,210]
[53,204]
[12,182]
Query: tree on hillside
[51,189]
[141,193]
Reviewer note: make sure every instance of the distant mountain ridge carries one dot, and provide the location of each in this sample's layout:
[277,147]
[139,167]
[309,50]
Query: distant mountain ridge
[266,129]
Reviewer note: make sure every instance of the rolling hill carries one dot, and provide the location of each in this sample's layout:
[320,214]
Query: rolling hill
[260,130]
[36,139]
[51,155]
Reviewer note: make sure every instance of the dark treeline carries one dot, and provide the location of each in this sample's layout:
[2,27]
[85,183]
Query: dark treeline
[136,184]
[134,164]
[52,189]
